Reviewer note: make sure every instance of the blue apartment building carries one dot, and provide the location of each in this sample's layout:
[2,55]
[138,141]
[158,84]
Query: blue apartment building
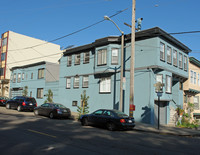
[38,77]
[95,67]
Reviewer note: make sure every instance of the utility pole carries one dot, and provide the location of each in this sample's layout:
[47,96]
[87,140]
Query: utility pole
[132,65]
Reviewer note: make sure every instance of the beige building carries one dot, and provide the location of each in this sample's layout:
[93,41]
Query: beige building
[19,50]
[192,88]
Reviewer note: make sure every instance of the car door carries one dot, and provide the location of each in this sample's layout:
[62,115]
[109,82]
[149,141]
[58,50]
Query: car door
[43,110]
[107,116]
[95,117]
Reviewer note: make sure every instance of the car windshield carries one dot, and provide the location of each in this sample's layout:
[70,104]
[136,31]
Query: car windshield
[31,100]
[59,106]
[120,114]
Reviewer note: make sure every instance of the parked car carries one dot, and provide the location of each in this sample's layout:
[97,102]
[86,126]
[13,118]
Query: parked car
[21,103]
[3,101]
[53,110]
[112,119]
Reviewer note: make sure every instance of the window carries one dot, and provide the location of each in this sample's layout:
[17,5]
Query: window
[1,71]
[105,85]
[102,57]
[68,83]
[168,84]
[4,42]
[19,78]
[41,73]
[181,85]
[76,82]
[198,82]
[180,60]
[175,57]
[159,78]
[14,78]
[77,59]
[115,53]
[196,102]
[31,75]
[195,78]
[86,57]
[3,56]
[162,51]
[191,76]
[69,60]
[185,63]
[85,81]
[169,54]
[40,93]
[22,76]
[74,103]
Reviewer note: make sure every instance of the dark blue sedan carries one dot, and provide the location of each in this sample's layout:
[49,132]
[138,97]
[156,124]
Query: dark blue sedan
[111,119]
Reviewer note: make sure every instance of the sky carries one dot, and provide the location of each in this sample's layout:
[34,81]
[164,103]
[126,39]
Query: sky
[52,19]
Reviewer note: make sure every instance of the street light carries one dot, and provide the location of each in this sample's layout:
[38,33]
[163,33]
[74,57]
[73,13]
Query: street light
[122,63]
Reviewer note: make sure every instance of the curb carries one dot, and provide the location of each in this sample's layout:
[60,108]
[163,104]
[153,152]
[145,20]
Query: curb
[167,133]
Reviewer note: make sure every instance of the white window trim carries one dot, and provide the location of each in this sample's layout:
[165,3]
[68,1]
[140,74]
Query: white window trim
[102,57]
[105,85]
[115,56]
[86,57]
[76,82]
[69,60]
[169,55]
[68,83]
[168,84]
[77,59]
[162,51]
[85,83]
[180,60]
[175,53]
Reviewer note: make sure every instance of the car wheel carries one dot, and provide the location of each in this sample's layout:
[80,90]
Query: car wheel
[111,126]
[36,112]
[7,106]
[84,122]
[19,108]
[51,115]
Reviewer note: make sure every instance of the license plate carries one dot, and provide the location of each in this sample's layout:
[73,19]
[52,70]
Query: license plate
[30,104]
[130,121]
[65,110]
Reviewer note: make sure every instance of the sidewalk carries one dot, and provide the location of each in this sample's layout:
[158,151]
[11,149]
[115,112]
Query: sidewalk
[167,130]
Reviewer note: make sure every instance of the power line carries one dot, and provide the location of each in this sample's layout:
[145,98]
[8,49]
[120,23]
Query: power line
[87,27]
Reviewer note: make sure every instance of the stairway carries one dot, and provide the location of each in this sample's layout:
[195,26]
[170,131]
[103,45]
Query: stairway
[173,117]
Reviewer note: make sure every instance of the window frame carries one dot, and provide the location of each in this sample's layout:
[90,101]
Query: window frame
[77,58]
[69,60]
[41,73]
[161,75]
[180,60]
[86,57]
[112,56]
[18,77]
[168,84]
[191,76]
[68,83]
[185,63]
[103,88]
[162,51]
[169,49]
[14,77]
[101,57]
[85,83]
[175,63]
[76,83]
[40,93]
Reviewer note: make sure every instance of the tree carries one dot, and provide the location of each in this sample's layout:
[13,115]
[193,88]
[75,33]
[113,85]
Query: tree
[49,97]
[83,109]
[25,91]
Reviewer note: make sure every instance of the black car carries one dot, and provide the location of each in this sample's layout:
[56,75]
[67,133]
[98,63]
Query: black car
[21,103]
[53,110]
[112,119]
[3,100]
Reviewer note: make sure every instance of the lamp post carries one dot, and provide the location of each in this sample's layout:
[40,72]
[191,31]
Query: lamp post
[122,63]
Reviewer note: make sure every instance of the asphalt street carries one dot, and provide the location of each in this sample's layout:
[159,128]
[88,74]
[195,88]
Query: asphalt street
[23,133]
